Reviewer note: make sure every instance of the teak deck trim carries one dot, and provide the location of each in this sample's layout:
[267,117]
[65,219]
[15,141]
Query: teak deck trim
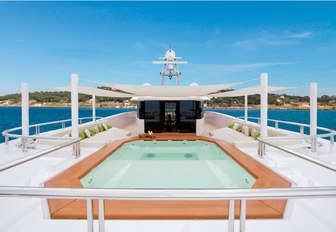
[163,209]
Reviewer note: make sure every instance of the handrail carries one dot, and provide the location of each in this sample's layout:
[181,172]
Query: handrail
[24,139]
[289,123]
[321,163]
[331,133]
[25,159]
[168,194]
[48,123]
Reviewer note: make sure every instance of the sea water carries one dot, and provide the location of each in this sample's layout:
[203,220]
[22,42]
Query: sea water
[10,117]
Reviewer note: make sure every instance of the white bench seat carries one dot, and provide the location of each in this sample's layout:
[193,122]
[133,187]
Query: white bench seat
[239,139]
[96,141]
[103,138]
[230,135]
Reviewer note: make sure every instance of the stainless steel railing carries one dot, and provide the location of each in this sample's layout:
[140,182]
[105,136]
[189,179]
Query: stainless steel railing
[232,195]
[312,138]
[261,152]
[24,139]
[25,159]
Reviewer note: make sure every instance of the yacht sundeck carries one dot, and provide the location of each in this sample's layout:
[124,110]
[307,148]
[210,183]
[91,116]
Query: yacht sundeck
[169,159]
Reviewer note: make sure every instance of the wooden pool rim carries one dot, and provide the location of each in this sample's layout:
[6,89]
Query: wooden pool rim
[163,209]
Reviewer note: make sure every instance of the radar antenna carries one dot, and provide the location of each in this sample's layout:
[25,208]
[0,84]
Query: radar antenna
[170,68]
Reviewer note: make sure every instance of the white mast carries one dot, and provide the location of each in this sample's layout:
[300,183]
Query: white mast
[170,68]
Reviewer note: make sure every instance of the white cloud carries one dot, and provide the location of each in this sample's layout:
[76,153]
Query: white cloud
[253,43]
[301,35]
[274,39]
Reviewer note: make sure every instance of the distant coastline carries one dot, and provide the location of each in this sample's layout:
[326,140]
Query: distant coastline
[63,99]
[271,107]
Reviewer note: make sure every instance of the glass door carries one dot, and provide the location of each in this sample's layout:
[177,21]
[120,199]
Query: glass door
[169,117]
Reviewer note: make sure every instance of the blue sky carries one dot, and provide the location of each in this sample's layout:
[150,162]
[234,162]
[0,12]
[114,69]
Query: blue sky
[42,43]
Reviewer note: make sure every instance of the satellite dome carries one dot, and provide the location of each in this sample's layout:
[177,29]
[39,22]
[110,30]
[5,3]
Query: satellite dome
[146,84]
[170,55]
[194,84]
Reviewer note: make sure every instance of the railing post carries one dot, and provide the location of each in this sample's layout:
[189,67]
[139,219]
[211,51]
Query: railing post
[313,143]
[302,129]
[261,149]
[6,140]
[76,149]
[242,215]
[259,121]
[24,144]
[80,121]
[89,215]
[101,215]
[332,137]
[63,124]
[231,216]
[276,125]
[37,130]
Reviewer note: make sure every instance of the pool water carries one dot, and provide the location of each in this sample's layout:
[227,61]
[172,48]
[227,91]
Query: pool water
[168,164]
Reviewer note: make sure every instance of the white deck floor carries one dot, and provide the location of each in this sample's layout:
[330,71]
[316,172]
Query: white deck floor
[17,214]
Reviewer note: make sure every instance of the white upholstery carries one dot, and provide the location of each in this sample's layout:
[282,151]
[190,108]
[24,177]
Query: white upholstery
[230,135]
[96,141]
[239,139]
[103,138]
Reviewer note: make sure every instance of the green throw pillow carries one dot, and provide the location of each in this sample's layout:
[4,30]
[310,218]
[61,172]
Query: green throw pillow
[81,134]
[231,125]
[257,135]
[239,128]
[101,128]
[109,126]
[92,131]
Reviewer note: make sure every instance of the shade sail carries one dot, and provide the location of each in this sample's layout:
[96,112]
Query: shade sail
[249,91]
[95,91]
[170,91]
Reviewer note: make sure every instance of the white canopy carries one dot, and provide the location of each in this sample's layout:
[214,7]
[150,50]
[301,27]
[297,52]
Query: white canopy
[95,91]
[170,91]
[194,92]
[249,91]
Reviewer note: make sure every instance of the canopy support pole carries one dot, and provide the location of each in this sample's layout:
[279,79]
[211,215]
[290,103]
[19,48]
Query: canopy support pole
[313,115]
[263,104]
[74,111]
[245,108]
[94,108]
[24,115]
